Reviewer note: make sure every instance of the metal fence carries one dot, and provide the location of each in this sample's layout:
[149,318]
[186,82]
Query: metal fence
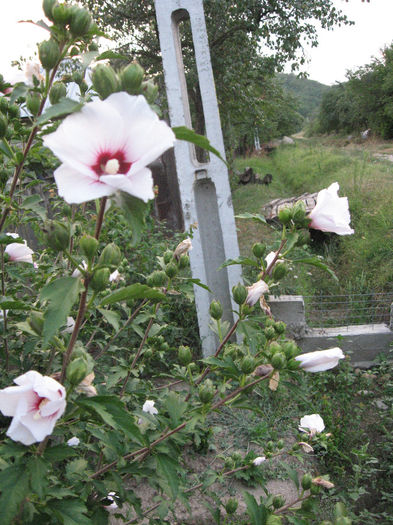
[351,309]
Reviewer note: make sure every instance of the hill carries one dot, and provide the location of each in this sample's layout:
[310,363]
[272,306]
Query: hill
[308,92]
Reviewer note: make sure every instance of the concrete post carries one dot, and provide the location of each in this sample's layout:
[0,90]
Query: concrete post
[204,187]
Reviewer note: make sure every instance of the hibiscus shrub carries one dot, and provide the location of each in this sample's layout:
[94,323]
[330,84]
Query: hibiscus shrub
[83,332]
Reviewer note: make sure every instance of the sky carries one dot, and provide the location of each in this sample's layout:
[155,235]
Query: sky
[342,49]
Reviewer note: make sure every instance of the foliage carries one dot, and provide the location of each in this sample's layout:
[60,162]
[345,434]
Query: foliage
[308,92]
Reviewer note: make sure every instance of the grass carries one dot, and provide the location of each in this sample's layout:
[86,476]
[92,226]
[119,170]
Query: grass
[362,261]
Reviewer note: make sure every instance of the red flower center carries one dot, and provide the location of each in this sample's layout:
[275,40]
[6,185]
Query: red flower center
[105,156]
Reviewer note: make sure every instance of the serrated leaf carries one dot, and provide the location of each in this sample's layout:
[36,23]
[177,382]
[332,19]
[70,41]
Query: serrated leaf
[176,407]
[7,239]
[292,239]
[110,55]
[76,467]
[291,473]
[167,468]
[59,452]
[5,148]
[134,291]
[257,513]
[113,318]
[70,511]
[14,485]
[135,211]
[64,107]
[38,469]
[254,216]
[61,295]
[314,261]
[189,135]
[32,203]
[18,90]
[240,260]
[8,303]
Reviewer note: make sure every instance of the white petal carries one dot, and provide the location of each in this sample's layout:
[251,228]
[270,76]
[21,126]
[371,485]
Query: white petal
[39,427]
[29,378]
[312,422]
[18,432]
[76,188]
[321,360]
[11,396]
[331,213]
[73,442]
[138,184]
[19,252]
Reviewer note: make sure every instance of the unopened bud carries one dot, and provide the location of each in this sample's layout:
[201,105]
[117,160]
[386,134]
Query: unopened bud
[149,90]
[33,103]
[159,278]
[239,293]
[285,215]
[290,349]
[269,332]
[248,364]
[60,14]
[259,249]
[184,261]
[36,322]
[168,256]
[88,246]
[185,355]
[110,256]
[278,361]
[47,6]
[104,80]
[57,92]
[76,371]
[280,270]
[80,22]
[306,481]
[3,126]
[299,212]
[58,236]
[231,506]
[216,310]
[278,501]
[171,270]
[131,78]
[49,54]
[100,279]
[206,391]
[279,327]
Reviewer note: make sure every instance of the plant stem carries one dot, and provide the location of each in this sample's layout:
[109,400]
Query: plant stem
[5,340]
[100,217]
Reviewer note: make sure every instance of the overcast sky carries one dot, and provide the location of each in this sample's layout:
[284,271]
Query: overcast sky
[339,50]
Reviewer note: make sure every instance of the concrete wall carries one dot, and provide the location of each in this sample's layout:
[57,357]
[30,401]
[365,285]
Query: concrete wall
[362,342]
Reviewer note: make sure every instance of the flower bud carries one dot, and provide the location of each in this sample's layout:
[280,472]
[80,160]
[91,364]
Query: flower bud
[299,212]
[231,506]
[80,22]
[216,310]
[229,463]
[278,361]
[36,322]
[259,249]
[274,520]
[171,270]
[131,78]
[278,501]
[306,481]
[315,490]
[248,364]
[184,261]
[274,347]
[77,77]
[88,246]
[149,90]
[60,14]
[14,111]
[33,103]
[185,355]
[280,270]
[47,6]
[110,256]
[57,92]
[76,371]
[206,391]
[49,54]
[104,80]
[159,278]
[168,256]
[3,126]
[280,327]
[290,349]
[100,279]
[269,332]
[285,215]
[58,236]
[280,444]
[239,293]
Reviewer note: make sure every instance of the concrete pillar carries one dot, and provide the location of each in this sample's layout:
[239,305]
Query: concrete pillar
[204,187]
[290,309]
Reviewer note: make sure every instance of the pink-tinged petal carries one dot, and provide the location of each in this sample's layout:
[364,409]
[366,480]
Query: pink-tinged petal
[29,378]
[40,427]
[76,188]
[256,291]
[12,396]
[139,184]
[18,432]
[331,213]
[320,360]
[52,408]
[19,252]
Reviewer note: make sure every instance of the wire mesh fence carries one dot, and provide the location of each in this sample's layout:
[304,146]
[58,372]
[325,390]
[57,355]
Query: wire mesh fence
[351,309]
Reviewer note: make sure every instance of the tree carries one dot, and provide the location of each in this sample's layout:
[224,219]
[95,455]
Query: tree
[249,41]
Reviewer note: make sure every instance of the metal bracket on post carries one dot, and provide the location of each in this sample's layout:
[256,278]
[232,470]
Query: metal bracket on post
[204,187]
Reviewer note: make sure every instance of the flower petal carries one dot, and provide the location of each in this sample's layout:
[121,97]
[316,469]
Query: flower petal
[11,396]
[138,184]
[331,213]
[18,432]
[320,360]
[76,188]
[19,252]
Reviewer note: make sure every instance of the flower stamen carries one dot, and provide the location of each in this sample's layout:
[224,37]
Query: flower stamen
[111,167]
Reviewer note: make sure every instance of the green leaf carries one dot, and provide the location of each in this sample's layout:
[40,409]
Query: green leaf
[31,203]
[113,318]
[18,90]
[70,511]
[7,239]
[176,407]
[240,260]
[315,261]
[135,211]
[292,239]
[197,282]
[59,452]
[38,469]
[14,485]
[134,291]
[254,216]
[291,473]
[111,55]
[257,513]
[5,148]
[166,467]
[61,295]
[64,107]
[8,303]
[76,468]
[189,135]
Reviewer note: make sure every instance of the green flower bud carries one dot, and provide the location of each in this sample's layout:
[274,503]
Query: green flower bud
[239,293]
[184,261]
[280,444]
[49,54]
[36,322]
[259,249]
[104,80]
[278,501]
[14,111]
[171,270]
[3,126]
[278,361]
[231,506]
[293,364]
[80,352]
[148,353]
[274,347]
[80,22]
[3,103]
[280,327]
[285,215]
[100,279]
[168,256]
[164,347]
[280,270]
[299,212]
[185,355]
[47,6]
[149,90]
[33,103]
[58,236]
[269,332]
[131,78]
[248,364]
[159,278]
[274,520]
[216,310]
[76,371]
[206,391]
[306,481]
[77,77]
[88,246]
[269,446]
[315,490]
[290,349]
[110,256]
[57,92]
[60,13]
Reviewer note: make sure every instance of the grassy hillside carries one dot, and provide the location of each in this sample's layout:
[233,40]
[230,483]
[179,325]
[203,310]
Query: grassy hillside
[363,261]
[308,92]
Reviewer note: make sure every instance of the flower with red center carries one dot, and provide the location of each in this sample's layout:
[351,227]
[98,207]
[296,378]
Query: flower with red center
[107,146]
[34,405]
